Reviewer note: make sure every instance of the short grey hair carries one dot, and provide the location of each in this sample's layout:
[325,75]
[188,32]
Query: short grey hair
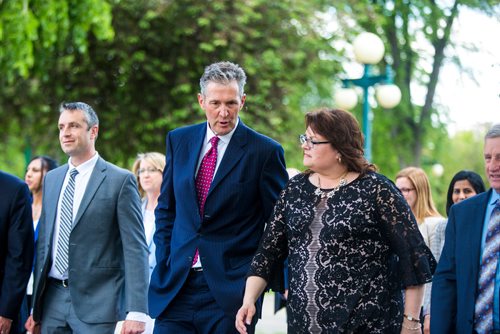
[90,115]
[494,132]
[223,73]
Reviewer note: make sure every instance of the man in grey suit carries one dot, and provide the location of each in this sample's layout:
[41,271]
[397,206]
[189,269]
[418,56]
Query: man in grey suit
[92,271]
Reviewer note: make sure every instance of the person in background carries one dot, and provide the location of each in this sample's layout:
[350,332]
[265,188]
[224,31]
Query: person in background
[463,185]
[91,258]
[465,297]
[35,173]
[16,249]
[341,225]
[148,169]
[220,183]
[416,189]
[38,167]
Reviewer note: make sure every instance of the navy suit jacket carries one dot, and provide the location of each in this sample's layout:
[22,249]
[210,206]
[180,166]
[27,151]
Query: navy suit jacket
[240,200]
[16,243]
[454,287]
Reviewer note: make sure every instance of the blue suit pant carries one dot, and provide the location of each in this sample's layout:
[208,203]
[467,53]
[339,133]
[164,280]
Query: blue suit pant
[195,311]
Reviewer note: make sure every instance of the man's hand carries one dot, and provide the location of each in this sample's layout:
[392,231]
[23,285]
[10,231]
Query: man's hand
[31,326]
[5,324]
[133,327]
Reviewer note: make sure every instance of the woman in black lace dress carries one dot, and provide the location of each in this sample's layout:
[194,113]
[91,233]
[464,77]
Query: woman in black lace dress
[351,240]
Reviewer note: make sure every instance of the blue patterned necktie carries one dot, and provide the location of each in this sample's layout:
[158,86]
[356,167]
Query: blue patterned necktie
[483,315]
[66,222]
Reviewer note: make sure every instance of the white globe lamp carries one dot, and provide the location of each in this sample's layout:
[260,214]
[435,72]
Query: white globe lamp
[368,48]
[388,96]
[346,98]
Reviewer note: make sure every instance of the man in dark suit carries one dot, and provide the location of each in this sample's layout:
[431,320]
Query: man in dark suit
[211,215]
[16,248]
[465,293]
[91,265]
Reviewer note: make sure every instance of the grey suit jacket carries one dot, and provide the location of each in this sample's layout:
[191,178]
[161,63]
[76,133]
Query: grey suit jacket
[108,272]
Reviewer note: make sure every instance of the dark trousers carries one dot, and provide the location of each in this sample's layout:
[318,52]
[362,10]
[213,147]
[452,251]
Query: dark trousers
[194,310]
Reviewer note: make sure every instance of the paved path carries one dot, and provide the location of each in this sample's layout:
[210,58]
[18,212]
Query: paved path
[271,323]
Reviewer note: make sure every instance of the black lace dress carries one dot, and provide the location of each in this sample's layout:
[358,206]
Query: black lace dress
[348,255]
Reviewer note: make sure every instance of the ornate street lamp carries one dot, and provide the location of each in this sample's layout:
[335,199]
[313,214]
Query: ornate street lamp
[368,50]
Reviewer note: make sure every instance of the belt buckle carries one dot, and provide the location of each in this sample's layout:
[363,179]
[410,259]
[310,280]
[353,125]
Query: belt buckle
[64,283]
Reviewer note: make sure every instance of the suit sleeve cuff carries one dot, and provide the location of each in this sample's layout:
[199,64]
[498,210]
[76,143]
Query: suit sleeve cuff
[137,316]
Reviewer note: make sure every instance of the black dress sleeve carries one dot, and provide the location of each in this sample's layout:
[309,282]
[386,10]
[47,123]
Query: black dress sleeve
[413,259]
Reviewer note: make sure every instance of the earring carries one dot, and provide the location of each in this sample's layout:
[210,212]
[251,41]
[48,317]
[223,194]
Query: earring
[339,159]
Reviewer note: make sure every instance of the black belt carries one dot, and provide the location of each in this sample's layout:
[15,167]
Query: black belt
[196,269]
[63,283]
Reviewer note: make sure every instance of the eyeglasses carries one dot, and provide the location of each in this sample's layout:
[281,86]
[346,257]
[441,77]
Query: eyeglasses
[309,142]
[149,170]
[406,190]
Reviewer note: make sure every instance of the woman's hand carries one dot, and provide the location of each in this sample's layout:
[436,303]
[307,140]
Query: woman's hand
[244,317]
[410,327]
[427,324]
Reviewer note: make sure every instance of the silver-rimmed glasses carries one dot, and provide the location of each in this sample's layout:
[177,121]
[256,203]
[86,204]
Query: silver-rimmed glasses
[303,139]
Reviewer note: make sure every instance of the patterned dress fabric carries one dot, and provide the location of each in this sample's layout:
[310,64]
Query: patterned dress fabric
[348,256]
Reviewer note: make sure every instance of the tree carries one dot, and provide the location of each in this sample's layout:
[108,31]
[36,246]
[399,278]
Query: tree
[37,36]
[417,35]
[144,82]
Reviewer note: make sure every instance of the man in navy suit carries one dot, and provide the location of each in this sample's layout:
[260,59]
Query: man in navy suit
[16,248]
[203,251]
[455,285]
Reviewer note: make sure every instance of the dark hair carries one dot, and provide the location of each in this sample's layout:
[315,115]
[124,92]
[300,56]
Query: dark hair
[90,115]
[47,162]
[474,179]
[342,130]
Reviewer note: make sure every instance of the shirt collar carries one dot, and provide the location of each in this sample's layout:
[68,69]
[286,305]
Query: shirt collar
[494,197]
[225,138]
[86,166]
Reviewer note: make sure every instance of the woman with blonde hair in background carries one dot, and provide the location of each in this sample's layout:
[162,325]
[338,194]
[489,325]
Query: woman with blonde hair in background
[148,168]
[416,189]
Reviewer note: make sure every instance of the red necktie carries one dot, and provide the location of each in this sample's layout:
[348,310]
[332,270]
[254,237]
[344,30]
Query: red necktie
[204,179]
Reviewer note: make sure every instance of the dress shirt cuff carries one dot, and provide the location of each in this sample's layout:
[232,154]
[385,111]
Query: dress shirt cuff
[137,316]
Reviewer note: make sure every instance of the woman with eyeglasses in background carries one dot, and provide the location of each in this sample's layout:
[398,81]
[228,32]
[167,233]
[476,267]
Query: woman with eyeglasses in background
[148,168]
[416,189]
[341,225]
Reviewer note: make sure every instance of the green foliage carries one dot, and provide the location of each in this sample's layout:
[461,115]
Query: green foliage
[416,35]
[144,82]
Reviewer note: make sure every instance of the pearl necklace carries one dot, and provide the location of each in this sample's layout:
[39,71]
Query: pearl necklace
[330,193]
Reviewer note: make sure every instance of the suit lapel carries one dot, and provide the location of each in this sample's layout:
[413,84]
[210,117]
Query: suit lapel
[98,175]
[53,185]
[474,229]
[233,154]
[195,142]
